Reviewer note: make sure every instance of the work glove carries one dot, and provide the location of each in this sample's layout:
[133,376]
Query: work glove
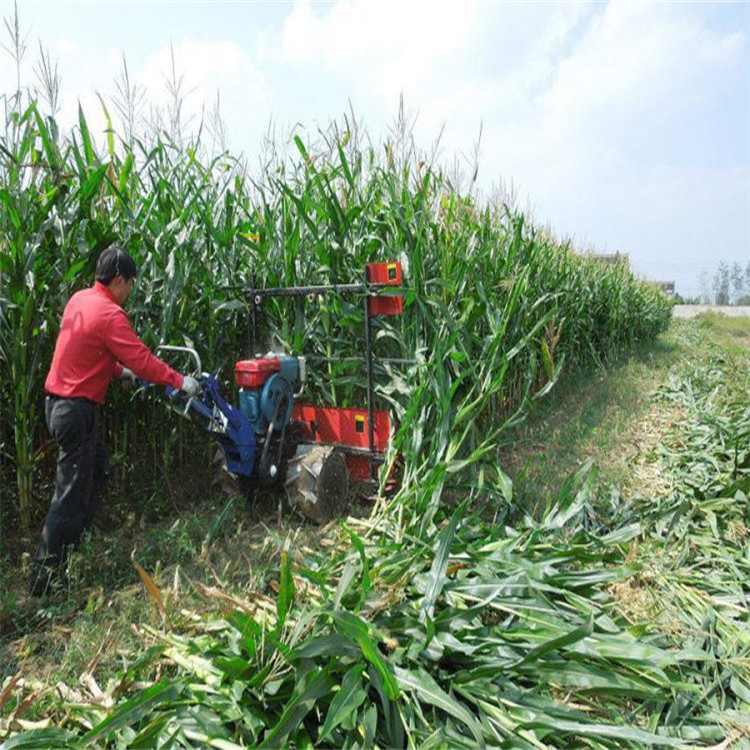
[128,378]
[190,386]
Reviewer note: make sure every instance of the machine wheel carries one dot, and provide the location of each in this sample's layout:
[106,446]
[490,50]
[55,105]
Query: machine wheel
[317,482]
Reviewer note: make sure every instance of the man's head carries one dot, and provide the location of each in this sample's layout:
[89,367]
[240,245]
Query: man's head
[117,271]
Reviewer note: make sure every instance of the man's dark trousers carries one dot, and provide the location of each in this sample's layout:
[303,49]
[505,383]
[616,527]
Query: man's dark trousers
[82,472]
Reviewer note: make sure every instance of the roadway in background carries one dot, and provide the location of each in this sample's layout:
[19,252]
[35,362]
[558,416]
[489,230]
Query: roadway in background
[690,311]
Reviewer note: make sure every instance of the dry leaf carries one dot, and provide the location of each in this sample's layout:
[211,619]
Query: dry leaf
[7,691]
[150,585]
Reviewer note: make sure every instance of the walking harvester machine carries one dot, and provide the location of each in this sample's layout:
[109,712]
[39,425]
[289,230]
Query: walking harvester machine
[273,439]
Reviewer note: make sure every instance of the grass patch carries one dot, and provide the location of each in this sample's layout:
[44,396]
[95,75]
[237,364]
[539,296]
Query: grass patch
[611,417]
[595,415]
[56,640]
[730,334]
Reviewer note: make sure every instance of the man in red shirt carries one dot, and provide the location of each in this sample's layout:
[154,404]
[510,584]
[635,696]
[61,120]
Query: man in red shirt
[96,344]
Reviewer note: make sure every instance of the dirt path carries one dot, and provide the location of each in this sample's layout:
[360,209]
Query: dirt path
[610,418]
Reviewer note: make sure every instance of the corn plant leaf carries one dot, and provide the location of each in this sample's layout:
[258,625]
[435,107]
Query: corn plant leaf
[611,731]
[348,699]
[425,689]
[153,734]
[151,586]
[129,713]
[554,644]
[298,707]
[359,631]
[50,150]
[286,591]
[88,146]
[327,645]
[42,739]
[357,542]
[110,131]
[437,578]
[347,576]
[215,526]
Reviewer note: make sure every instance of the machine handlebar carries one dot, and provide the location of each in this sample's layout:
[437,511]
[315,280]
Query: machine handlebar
[185,350]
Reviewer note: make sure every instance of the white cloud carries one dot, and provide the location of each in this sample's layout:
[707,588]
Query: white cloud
[64,46]
[392,48]
[615,97]
[635,56]
[202,67]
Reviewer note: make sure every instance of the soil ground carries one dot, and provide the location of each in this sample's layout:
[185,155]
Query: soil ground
[608,416]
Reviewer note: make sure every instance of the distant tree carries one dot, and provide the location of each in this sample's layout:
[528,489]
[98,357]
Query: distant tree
[729,285]
[741,280]
[721,284]
[680,300]
[738,281]
[705,288]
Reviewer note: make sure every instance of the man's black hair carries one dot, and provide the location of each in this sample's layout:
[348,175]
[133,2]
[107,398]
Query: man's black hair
[115,261]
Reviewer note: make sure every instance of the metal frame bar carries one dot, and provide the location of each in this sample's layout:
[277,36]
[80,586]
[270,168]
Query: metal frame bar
[302,291]
[256,297]
[370,387]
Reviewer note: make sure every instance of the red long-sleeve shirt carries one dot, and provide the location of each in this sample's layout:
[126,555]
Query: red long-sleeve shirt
[95,341]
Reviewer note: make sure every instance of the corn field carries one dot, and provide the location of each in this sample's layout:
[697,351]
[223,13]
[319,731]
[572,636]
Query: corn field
[494,308]
[425,625]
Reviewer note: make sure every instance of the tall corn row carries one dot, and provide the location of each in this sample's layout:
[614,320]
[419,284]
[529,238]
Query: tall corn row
[494,306]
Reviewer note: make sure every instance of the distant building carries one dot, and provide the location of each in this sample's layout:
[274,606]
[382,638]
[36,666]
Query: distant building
[666,286]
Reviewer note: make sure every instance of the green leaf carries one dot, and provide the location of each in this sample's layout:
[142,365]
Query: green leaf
[426,690]
[557,643]
[88,146]
[133,710]
[359,631]
[110,130]
[437,578]
[348,699]
[50,150]
[357,542]
[299,705]
[41,739]
[286,591]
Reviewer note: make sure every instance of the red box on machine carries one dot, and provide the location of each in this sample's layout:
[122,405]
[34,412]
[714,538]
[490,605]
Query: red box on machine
[390,275]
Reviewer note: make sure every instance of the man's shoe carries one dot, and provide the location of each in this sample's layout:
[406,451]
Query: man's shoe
[45,580]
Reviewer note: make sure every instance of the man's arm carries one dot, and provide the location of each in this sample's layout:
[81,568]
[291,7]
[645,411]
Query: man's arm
[132,353]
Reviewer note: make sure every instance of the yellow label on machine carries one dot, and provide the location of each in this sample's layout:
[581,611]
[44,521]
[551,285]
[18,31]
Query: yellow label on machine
[359,423]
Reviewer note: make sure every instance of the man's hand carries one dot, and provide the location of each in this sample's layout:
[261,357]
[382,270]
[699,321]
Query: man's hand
[190,386]
[128,378]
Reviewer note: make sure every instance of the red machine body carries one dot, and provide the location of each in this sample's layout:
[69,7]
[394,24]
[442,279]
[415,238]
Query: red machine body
[390,275]
[348,428]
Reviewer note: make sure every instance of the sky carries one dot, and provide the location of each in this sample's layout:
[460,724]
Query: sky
[624,126]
